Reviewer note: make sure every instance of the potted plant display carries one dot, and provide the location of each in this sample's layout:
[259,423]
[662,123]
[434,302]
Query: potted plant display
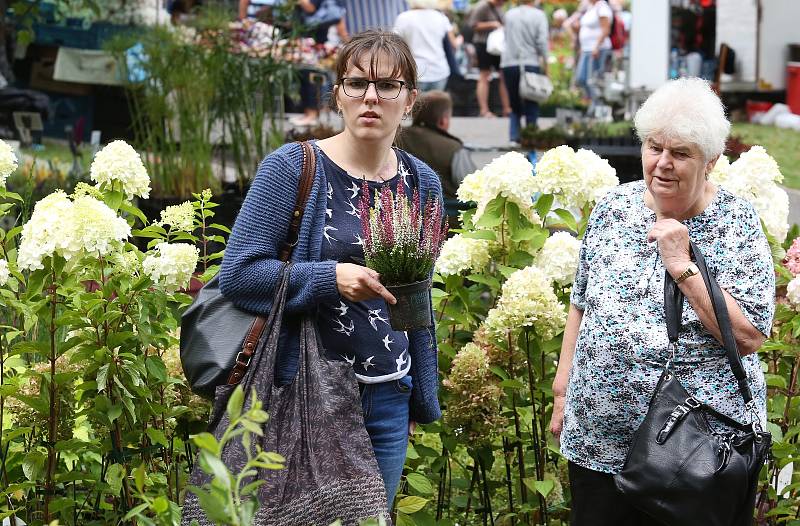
[402,240]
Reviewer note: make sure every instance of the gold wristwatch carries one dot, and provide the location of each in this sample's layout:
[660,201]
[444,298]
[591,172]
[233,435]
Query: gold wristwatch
[691,270]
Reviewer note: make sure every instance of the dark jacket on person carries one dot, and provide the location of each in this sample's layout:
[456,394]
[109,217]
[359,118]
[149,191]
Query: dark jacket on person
[439,150]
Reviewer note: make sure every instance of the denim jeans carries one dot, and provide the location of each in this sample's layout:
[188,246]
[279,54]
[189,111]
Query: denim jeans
[519,106]
[588,70]
[386,418]
[432,85]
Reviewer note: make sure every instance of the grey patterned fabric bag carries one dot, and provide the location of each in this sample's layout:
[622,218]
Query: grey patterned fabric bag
[316,423]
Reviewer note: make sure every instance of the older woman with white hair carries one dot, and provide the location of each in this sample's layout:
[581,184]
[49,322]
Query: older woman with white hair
[615,342]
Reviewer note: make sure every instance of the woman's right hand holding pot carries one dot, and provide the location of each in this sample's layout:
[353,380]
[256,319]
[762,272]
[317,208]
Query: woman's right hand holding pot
[359,283]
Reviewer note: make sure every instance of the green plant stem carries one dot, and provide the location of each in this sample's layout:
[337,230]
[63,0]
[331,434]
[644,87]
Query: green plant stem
[507,449]
[52,421]
[442,485]
[537,449]
[517,428]
[487,501]
[472,483]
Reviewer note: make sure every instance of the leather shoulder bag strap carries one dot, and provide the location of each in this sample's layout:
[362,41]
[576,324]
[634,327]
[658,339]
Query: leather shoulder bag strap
[260,322]
[724,323]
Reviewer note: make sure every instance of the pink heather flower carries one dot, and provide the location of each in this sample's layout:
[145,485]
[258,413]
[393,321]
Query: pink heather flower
[792,261]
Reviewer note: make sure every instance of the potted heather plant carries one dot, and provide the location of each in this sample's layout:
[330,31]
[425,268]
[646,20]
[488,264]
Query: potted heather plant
[402,240]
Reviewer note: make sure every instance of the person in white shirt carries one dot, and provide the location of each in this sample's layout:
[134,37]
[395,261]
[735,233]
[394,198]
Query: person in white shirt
[595,45]
[424,29]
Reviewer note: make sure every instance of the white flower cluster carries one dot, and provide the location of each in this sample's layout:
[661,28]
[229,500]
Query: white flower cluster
[460,253]
[793,292]
[118,161]
[558,258]
[719,174]
[528,300]
[8,162]
[576,178]
[5,273]
[172,265]
[510,176]
[126,263]
[755,177]
[70,229]
[178,217]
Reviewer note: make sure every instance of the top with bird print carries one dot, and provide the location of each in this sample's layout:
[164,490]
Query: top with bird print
[359,332]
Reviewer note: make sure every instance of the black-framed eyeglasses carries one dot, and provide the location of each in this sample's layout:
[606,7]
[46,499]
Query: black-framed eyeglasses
[386,89]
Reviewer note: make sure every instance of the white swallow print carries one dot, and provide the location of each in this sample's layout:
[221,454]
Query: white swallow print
[353,209]
[327,236]
[342,308]
[368,363]
[349,360]
[359,240]
[329,213]
[375,317]
[355,189]
[404,173]
[387,341]
[330,191]
[401,361]
[344,329]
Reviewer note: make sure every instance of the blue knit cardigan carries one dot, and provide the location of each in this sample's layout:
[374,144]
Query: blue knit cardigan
[250,268]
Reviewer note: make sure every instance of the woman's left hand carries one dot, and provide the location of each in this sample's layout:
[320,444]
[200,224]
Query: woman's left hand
[673,244]
[412,426]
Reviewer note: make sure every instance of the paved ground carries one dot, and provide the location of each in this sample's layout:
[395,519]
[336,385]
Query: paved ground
[489,138]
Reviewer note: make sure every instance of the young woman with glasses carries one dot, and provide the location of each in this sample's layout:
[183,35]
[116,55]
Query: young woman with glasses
[397,371]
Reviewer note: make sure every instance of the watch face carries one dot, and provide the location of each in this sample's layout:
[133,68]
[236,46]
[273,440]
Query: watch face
[693,269]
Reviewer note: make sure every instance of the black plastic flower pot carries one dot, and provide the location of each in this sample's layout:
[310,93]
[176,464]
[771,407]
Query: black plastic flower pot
[413,307]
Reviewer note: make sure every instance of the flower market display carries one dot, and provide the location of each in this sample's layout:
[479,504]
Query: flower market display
[98,427]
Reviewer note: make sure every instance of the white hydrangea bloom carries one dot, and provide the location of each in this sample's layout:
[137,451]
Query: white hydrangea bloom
[47,231]
[719,174]
[126,263]
[59,226]
[598,176]
[558,258]
[118,161]
[8,162]
[577,178]
[172,265]
[510,176]
[755,176]
[528,300]
[179,217]
[793,292]
[460,253]
[96,228]
[5,273]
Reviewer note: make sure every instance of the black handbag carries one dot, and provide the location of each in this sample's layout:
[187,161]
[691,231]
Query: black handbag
[217,338]
[315,422]
[679,471]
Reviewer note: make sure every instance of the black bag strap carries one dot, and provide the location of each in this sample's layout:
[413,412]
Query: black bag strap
[285,253]
[496,13]
[673,305]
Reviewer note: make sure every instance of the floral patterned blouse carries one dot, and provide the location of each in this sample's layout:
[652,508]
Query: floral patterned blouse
[622,341]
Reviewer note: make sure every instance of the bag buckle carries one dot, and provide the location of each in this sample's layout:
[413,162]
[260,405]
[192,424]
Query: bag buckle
[693,403]
[241,361]
[755,419]
[672,347]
